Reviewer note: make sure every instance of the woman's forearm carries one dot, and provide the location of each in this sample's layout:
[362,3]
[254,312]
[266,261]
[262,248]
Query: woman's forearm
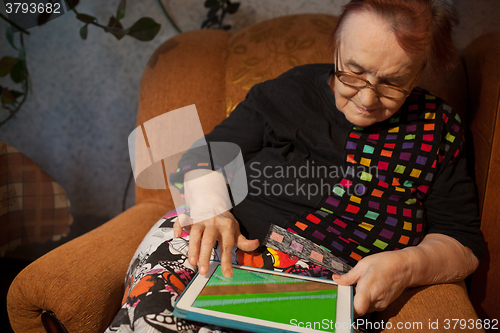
[439,259]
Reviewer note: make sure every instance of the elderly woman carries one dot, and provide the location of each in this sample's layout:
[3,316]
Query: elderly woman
[401,181]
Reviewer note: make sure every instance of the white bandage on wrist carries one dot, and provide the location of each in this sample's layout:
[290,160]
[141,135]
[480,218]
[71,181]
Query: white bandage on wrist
[206,195]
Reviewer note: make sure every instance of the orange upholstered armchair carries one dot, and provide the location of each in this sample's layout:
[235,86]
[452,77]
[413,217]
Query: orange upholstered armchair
[82,282]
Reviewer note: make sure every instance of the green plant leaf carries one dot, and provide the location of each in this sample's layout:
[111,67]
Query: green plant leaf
[10,36]
[114,23]
[6,64]
[84,31]
[115,27]
[145,29]
[86,18]
[233,7]
[211,3]
[7,97]
[120,12]
[17,73]
[118,33]
[16,93]
[212,13]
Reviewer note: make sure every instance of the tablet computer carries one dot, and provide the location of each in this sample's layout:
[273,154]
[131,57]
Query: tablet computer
[260,300]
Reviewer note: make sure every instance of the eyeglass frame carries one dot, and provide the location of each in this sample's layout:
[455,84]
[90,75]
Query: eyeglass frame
[339,73]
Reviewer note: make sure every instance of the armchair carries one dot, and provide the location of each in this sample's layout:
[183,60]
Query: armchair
[82,281]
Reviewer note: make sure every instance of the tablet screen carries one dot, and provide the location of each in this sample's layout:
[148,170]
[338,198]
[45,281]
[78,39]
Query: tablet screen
[271,297]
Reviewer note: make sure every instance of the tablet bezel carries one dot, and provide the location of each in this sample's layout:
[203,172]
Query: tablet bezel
[184,308]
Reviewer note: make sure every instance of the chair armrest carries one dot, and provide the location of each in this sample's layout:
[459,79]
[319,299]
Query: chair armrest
[82,281]
[428,305]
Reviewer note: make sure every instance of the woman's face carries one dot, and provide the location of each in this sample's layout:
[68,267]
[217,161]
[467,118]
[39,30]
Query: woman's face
[368,49]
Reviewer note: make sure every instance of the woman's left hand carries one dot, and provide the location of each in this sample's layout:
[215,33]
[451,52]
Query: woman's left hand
[379,279]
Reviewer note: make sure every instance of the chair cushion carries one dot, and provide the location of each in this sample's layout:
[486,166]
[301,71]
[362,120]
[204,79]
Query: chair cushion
[33,207]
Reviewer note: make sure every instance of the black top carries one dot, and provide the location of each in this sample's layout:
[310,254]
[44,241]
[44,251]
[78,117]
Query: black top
[354,191]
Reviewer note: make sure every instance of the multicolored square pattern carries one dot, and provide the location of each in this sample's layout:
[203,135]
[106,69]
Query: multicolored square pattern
[381,206]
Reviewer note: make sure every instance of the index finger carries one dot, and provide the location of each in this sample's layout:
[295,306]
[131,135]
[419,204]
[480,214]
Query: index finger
[227,246]
[207,245]
[194,243]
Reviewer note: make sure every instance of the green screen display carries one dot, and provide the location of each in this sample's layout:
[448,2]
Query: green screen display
[271,297]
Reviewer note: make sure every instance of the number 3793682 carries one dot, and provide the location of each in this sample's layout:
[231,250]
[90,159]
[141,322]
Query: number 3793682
[32,8]
[456,324]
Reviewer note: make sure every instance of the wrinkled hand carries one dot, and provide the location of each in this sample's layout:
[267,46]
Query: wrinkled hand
[203,236]
[210,221]
[379,279]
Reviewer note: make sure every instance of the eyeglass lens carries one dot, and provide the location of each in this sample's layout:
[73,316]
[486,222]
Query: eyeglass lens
[381,90]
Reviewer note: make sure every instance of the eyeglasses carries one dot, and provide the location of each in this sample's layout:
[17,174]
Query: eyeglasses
[359,83]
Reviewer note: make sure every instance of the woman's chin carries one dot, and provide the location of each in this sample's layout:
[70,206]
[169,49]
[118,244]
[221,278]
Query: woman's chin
[361,121]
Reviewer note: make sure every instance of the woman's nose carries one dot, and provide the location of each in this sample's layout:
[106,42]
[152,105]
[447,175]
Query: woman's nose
[368,97]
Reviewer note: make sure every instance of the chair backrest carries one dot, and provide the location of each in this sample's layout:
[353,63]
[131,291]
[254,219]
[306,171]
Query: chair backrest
[482,62]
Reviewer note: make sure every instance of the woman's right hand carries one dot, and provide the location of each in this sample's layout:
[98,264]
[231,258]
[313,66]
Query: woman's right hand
[210,221]
[203,235]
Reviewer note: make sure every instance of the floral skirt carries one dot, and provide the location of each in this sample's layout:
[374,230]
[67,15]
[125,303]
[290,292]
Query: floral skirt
[159,272]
